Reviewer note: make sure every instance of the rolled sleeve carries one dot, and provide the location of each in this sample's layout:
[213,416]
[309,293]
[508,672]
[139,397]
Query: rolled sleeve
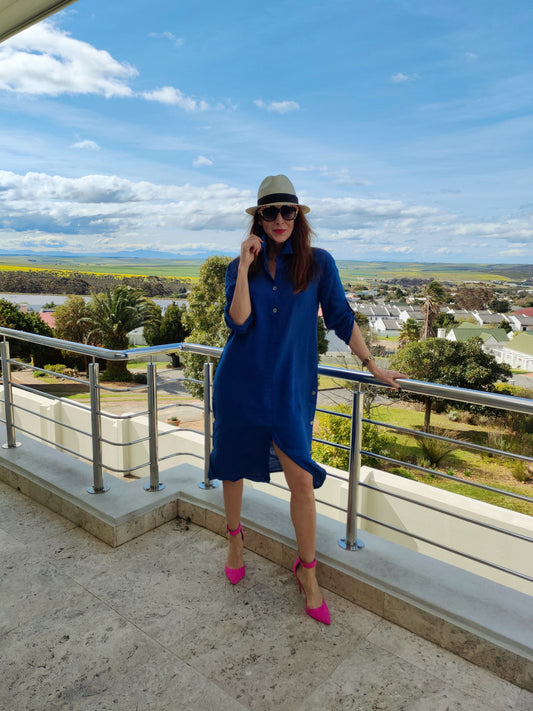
[231,279]
[338,315]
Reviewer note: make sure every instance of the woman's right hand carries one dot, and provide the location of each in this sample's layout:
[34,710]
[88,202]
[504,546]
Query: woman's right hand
[250,248]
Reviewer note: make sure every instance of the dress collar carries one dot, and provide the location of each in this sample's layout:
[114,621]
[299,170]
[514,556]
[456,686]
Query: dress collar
[287,247]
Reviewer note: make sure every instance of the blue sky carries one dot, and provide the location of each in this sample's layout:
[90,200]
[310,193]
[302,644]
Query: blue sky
[406,126]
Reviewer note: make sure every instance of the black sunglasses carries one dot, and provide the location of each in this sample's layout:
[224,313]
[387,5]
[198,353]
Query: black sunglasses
[288,212]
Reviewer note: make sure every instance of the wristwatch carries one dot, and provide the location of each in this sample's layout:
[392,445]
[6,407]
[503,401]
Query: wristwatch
[366,361]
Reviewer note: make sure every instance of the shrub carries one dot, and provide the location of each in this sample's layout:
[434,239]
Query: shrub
[338,429]
[435,450]
[57,368]
[401,471]
[520,471]
[107,376]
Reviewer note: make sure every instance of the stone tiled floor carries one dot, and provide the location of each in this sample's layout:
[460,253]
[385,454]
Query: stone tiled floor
[155,625]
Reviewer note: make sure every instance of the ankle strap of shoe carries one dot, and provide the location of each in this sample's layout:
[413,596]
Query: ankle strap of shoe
[235,532]
[308,565]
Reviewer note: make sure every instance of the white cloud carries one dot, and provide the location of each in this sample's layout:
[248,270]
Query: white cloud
[42,211]
[87,145]
[281,107]
[176,41]
[43,60]
[401,77]
[339,176]
[171,95]
[516,250]
[202,160]
[396,249]
[46,61]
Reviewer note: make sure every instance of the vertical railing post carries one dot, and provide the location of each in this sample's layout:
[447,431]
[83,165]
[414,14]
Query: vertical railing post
[8,398]
[350,542]
[98,486]
[155,484]
[208,426]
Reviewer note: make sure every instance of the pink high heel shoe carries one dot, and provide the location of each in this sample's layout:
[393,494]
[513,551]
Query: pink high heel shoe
[317,613]
[235,574]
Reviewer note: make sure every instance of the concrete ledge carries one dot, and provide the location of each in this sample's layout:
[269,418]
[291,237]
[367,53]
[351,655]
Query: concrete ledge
[482,621]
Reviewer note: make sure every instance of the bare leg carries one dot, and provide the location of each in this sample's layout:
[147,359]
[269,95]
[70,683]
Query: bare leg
[303,516]
[232,505]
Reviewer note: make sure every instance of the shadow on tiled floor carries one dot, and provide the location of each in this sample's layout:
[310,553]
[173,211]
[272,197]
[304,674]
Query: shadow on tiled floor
[154,625]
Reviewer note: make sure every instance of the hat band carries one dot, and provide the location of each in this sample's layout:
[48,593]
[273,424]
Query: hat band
[277,197]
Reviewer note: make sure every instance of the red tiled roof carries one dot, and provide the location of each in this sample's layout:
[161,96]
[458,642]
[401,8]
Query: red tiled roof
[49,318]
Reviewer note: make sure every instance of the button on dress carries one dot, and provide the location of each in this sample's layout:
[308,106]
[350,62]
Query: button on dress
[266,382]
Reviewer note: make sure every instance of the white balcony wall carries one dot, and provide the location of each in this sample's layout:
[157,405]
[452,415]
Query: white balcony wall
[472,539]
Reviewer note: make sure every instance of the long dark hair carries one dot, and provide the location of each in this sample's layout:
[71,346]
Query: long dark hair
[302,260]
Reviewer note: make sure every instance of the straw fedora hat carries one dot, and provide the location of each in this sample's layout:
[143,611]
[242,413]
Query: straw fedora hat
[276,190]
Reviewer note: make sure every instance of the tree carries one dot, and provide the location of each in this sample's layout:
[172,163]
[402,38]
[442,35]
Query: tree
[11,317]
[434,296]
[368,334]
[473,297]
[505,325]
[72,320]
[409,333]
[446,321]
[463,365]
[500,306]
[112,316]
[168,329]
[205,316]
[72,324]
[322,336]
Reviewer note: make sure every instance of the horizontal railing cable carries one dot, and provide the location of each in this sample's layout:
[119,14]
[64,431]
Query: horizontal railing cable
[451,440]
[447,548]
[446,512]
[441,475]
[34,435]
[50,419]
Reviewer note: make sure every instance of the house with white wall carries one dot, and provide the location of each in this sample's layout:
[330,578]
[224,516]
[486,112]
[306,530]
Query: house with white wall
[517,353]
[387,327]
[492,337]
[520,322]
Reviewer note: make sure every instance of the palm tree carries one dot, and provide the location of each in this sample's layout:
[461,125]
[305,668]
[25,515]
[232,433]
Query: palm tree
[112,316]
[410,333]
[434,295]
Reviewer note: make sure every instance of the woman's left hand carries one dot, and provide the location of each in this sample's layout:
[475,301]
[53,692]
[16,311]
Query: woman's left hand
[389,377]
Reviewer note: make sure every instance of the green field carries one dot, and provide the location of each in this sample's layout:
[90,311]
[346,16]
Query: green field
[180,268]
[350,271]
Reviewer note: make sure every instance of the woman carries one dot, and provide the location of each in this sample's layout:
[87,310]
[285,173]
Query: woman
[265,387]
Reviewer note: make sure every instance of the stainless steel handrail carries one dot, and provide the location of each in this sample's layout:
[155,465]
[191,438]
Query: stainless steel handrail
[354,377]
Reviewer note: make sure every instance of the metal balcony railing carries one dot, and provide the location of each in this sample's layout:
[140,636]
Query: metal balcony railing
[356,380]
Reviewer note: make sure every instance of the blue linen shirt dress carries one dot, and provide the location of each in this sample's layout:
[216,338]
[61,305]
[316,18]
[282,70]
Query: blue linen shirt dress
[265,385]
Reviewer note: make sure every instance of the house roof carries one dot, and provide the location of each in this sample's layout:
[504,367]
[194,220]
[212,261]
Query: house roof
[464,332]
[522,342]
[48,317]
[391,324]
[17,15]
[523,319]
[488,317]
[524,312]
